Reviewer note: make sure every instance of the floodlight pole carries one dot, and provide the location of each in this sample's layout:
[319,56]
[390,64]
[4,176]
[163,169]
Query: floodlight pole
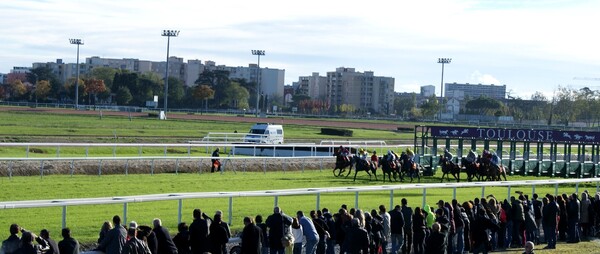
[77,42]
[168,34]
[258,53]
[443,61]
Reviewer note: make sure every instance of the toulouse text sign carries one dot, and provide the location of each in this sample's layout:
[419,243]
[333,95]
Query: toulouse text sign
[516,134]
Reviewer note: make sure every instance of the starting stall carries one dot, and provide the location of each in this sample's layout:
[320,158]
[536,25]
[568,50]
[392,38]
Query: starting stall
[522,151]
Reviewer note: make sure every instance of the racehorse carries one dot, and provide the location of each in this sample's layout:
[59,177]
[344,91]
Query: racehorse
[493,172]
[357,163]
[410,168]
[388,166]
[472,169]
[449,168]
[341,163]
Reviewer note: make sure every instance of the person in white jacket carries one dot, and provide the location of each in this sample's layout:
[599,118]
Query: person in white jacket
[298,236]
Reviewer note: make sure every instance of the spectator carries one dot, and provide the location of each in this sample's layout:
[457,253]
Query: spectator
[226,227]
[459,227]
[418,226]
[386,233]
[264,239]
[518,216]
[114,240]
[530,225]
[163,238]
[146,234]
[584,213]
[182,239]
[550,217]
[529,248]
[217,237]
[277,223]
[537,212]
[330,241]
[375,222]
[11,244]
[52,246]
[215,163]
[134,245]
[106,226]
[251,237]
[573,212]
[68,245]
[310,233]
[199,232]
[298,236]
[563,222]
[436,242]
[479,233]
[27,246]
[357,239]
[396,229]
[407,213]
[321,227]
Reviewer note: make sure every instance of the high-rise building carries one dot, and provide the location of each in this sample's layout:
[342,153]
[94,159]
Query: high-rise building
[428,90]
[462,91]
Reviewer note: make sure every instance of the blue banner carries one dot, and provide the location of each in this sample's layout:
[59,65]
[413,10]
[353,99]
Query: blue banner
[515,134]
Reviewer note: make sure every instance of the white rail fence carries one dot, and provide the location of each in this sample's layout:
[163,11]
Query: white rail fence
[125,200]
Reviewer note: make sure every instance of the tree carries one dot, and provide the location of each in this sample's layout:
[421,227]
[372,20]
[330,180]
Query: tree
[431,107]
[404,105]
[176,92]
[45,73]
[123,96]
[42,90]
[235,96]
[94,87]
[18,89]
[484,106]
[217,80]
[70,88]
[106,74]
[203,92]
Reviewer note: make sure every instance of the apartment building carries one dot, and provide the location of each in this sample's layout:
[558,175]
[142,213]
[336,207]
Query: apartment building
[462,91]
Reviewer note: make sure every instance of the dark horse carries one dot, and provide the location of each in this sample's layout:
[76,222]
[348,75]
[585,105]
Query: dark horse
[410,168]
[449,168]
[353,161]
[472,169]
[389,166]
[492,172]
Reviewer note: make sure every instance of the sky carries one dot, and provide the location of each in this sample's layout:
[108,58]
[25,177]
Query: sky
[527,45]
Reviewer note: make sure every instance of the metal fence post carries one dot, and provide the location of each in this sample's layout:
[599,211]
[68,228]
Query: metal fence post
[391,200]
[124,212]
[318,201]
[356,200]
[179,211]
[424,197]
[64,217]
[230,210]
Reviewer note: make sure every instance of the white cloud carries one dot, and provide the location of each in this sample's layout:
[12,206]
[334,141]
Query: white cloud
[482,78]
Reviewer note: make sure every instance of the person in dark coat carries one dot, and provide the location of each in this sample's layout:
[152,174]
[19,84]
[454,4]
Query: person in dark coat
[11,244]
[146,234]
[564,220]
[436,242]
[328,217]
[199,232]
[418,227]
[407,213]
[573,209]
[163,238]
[52,245]
[276,223]
[217,237]
[479,227]
[27,246]
[550,215]
[357,239]
[251,237]
[397,228]
[215,163]
[182,239]
[135,245]
[258,220]
[68,245]
[114,240]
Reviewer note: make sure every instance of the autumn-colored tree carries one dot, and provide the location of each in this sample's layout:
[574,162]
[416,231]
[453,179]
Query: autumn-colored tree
[18,89]
[204,92]
[42,90]
[94,87]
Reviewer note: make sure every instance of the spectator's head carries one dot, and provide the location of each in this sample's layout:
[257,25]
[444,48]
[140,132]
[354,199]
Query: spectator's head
[550,198]
[439,212]
[300,214]
[325,210]
[382,209]
[217,218]
[440,203]
[258,218]
[157,223]
[26,238]
[454,202]
[45,234]
[182,227]
[116,220]
[247,220]
[529,246]
[355,222]
[374,213]
[277,209]
[436,227]
[574,196]
[319,213]
[345,207]
[106,226]
[133,225]
[295,223]
[219,212]
[535,196]
[14,229]
[66,233]
[313,214]
[197,213]
[404,202]
[397,207]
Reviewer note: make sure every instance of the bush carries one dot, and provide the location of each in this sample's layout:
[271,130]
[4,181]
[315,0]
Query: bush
[336,132]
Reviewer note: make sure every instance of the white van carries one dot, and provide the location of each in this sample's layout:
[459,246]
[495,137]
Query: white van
[265,133]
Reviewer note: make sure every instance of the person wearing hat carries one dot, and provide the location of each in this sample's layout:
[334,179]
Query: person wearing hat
[374,160]
[215,163]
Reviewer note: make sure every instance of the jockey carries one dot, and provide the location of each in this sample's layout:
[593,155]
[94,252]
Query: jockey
[374,159]
[495,159]
[363,154]
[343,153]
[410,154]
[472,156]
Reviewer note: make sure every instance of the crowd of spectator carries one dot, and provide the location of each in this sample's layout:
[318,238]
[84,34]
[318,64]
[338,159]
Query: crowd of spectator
[480,225]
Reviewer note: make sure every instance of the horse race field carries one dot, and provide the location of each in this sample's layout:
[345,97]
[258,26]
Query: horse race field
[85,221]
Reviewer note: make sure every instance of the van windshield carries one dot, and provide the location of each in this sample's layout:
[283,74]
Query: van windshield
[257,131]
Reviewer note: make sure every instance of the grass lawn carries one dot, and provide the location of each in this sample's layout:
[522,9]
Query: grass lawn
[85,221]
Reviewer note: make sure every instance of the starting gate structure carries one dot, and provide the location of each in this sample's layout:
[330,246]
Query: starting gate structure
[563,153]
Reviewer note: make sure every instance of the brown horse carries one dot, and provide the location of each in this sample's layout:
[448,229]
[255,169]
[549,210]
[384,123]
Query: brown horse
[449,168]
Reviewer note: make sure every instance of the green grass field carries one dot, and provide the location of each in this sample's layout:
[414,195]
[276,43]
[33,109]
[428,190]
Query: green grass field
[85,221]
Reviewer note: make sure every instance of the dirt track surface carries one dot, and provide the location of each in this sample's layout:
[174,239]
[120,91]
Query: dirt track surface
[246,119]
